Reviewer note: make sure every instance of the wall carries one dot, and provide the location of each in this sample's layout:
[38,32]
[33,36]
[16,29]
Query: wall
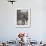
[8,29]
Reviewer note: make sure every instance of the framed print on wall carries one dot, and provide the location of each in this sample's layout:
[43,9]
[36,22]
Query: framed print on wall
[23,17]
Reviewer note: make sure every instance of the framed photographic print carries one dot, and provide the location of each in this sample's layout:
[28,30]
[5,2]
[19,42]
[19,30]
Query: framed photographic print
[23,17]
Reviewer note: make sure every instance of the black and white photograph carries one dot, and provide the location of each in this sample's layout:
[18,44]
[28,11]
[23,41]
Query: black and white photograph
[23,17]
